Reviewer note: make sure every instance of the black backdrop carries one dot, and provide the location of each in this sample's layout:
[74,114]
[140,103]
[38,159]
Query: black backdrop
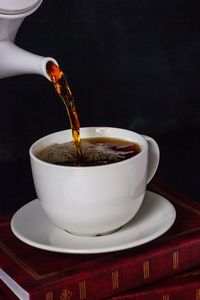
[131,64]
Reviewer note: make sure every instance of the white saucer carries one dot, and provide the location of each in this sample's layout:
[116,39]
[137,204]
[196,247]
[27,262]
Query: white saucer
[32,226]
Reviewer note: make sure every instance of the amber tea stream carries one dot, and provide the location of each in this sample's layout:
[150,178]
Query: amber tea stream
[87,152]
[60,83]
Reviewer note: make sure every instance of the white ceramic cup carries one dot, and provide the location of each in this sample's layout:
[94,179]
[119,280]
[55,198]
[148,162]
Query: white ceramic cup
[94,200]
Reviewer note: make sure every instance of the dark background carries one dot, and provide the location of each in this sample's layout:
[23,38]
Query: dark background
[131,64]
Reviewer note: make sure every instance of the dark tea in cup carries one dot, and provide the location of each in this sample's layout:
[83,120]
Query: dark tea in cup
[95,152]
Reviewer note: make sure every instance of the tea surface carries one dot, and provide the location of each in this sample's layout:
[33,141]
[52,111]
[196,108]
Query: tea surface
[95,152]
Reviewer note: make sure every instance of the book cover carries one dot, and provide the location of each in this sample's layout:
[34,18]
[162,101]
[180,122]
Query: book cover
[6,293]
[3,296]
[185,286]
[36,274]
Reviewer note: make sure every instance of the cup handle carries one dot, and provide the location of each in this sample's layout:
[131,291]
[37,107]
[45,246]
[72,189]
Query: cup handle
[153,157]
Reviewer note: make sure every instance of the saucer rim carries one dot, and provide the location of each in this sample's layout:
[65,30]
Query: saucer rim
[104,248]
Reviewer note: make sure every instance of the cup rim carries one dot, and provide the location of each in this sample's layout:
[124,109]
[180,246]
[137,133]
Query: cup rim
[34,158]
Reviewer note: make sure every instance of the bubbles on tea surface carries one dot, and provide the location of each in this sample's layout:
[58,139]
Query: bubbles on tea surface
[93,153]
[58,153]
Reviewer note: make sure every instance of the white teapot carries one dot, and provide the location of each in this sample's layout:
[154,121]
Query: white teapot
[13,59]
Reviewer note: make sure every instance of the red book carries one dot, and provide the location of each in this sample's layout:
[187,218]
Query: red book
[6,293]
[185,286]
[3,296]
[38,274]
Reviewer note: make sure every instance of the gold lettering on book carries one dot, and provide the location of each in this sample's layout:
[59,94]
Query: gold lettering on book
[146,271]
[175,258]
[198,294]
[49,296]
[66,295]
[82,290]
[115,280]
[165,297]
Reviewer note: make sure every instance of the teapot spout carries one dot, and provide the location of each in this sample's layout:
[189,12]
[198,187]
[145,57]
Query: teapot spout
[17,61]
